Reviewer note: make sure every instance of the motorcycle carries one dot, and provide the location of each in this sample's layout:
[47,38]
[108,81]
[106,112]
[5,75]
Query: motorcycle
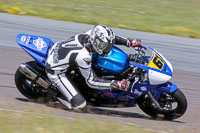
[148,71]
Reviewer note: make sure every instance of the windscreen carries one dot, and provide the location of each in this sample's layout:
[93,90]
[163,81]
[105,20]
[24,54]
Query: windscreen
[146,56]
[143,55]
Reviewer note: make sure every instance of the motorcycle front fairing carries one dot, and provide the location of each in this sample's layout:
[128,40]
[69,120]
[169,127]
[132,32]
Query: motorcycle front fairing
[159,72]
[128,98]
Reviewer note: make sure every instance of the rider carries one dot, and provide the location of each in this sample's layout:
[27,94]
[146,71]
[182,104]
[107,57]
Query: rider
[76,53]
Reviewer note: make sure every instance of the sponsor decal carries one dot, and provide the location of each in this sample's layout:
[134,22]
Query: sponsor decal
[130,97]
[55,55]
[143,88]
[100,34]
[39,43]
[109,95]
[23,39]
[69,45]
[123,98]
[28,39]
[117,105]
[137,92]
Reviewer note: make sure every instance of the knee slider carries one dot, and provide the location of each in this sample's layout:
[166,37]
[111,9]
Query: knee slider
[77,100]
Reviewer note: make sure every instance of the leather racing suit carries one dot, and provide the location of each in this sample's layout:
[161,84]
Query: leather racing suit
[75,52]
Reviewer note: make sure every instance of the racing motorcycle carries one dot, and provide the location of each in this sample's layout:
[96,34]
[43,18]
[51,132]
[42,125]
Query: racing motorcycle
[148,71]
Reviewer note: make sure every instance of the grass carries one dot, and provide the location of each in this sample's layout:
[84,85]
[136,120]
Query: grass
[15,122]
[175,17]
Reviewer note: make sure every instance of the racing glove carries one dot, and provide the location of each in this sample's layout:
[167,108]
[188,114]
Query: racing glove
[119,85]
[134,43]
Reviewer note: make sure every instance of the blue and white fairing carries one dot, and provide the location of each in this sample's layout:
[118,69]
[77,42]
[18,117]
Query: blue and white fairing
[158,68]
[35,46]
[158,71]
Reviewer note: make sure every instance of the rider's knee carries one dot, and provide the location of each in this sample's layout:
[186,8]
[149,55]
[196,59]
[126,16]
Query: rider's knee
[78,101]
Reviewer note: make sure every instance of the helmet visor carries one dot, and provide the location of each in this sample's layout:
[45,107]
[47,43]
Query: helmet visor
[108,48]
[103,47]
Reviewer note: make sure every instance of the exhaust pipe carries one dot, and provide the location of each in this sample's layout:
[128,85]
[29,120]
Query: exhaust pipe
[29,72]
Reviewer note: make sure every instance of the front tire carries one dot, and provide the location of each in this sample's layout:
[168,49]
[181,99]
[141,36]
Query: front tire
[166,101]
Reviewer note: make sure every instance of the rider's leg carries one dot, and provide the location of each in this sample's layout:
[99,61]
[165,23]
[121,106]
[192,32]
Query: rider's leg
[74,100]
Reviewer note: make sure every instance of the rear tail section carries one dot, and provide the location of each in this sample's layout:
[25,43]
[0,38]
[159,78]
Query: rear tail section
[35,46]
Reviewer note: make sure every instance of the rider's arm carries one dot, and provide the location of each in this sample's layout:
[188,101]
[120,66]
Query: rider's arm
[93,81]
[83,62]
[119,40]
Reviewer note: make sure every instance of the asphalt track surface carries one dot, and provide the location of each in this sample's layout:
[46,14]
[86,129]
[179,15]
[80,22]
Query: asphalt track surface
[183,53]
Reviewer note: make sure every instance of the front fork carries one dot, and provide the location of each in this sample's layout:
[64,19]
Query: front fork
[168,87]
[164,88]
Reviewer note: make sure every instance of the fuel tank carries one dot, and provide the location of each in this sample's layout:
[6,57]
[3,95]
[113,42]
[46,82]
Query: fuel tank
[113,64]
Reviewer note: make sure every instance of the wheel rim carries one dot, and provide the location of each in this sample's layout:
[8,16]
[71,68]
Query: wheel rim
[26,84]
[174,105]
[168,102]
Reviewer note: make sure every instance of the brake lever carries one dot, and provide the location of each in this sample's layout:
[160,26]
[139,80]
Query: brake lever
[139,46]
[136,80]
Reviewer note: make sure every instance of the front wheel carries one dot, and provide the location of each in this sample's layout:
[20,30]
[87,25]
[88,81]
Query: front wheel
[173,105]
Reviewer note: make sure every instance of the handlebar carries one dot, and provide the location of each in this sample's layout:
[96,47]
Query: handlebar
[139,54]
[140,47]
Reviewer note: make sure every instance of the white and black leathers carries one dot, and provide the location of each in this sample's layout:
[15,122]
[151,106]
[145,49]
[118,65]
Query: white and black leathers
[76,52]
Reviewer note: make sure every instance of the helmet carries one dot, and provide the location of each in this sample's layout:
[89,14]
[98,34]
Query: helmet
[102,39]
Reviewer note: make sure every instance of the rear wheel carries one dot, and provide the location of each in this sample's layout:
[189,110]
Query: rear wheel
[25,85]
[173,104]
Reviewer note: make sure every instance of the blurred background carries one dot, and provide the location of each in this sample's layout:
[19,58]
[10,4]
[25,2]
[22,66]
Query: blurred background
[175,17]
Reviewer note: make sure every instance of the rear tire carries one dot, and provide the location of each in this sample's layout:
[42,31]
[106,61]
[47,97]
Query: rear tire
[23,84]
[166,100]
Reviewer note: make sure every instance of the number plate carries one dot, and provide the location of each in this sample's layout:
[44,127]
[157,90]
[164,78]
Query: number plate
[156,62]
